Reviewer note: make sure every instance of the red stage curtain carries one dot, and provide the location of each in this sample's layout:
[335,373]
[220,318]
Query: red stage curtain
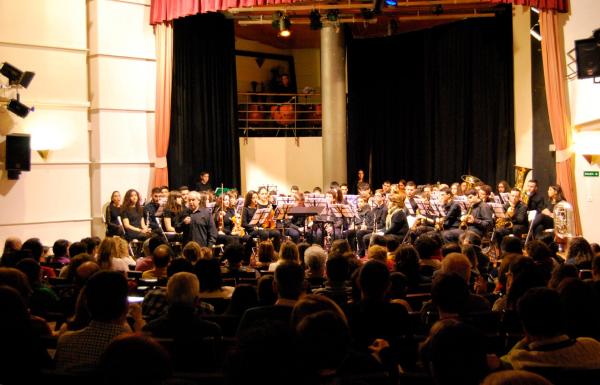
[554,5]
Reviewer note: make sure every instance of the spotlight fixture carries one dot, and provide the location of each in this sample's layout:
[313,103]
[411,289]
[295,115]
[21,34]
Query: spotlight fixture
[391,3]
[367,14]
[18,108]
[15,76]
[535,32]
[315,20]
[282,23]
[332,15]
[438,10]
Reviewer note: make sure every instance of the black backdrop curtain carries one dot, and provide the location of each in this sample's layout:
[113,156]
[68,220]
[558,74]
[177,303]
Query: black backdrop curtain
[432,105]
[203,104]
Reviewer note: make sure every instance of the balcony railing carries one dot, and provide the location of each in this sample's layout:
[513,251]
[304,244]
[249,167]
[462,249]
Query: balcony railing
[274,114]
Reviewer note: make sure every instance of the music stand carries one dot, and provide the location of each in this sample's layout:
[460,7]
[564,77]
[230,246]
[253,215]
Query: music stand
[259,217]
[498,209]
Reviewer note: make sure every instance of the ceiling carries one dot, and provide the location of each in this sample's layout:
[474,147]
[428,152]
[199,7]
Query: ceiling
[254,23]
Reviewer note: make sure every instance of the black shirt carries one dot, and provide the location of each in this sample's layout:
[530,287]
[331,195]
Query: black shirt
[202,228]
[536,202]
[135,219]
[113,227]
[150,210]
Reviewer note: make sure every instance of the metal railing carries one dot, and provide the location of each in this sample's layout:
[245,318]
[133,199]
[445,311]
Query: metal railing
[263,112]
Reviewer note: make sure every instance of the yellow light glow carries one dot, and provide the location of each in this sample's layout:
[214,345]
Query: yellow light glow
[285,33]
[586,142]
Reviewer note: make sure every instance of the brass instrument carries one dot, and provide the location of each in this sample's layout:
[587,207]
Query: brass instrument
[463,223]
[520,176]
[470,180]
[506,222]
[439,224]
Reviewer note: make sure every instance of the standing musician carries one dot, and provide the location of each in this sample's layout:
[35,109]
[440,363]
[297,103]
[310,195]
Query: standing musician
[151,209]
[363,224]
[479,218]
[111,216]
[199,224]
[223,215]
[377,220]
[174,213]
[132,216]
[516,214]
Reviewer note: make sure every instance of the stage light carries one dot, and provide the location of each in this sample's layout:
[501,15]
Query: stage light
[332,15]
[284,26]
[391,3]
[15,76]
[18,108]
[315,20]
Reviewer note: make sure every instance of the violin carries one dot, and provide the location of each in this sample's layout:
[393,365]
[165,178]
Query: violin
[270,222]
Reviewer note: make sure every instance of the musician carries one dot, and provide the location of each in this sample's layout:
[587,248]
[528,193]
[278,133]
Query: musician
[360,179]
[411,192]
[362,222]
[267,200]
[248,211]
[377,219]
[395,219]
[451,219]
[386,186]
[516,212]
[545,220]
[536,200]
[199,224]
[223,216]
[478,218]
[111,216]
[204,184]
[174,213]
[294,225]
[327,221]
[455,189]
[184,191]
[151,209]
[402,185]
[485,193]
[132,217]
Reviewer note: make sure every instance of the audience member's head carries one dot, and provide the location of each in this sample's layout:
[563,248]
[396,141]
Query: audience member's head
[91,244]
[580,253]
[34,245]
[374,280]
[191,251]
[289,252]
[244,297]
[154,242]
[511,245]
[426,246]
[540,312]
[266,291]
[77,248]
[469,238]
[377,253]
[311,304]
[234,254]
[314,260]
[106,294]
[209,274]
[458,264]
[266,252]
[340,246]
[9,276]
[130,351]
[449,294]
[161,256]
[515,377]
[407,262]
[398,285]
[392,242]
[12,244]
[378,240]
[183,289]
[560,273]
[458,355]
[289,280]
[74,263]
[451,247]
[31,269]
[524,274]
[60,248]
[338,269]
[579,301]
[179,265]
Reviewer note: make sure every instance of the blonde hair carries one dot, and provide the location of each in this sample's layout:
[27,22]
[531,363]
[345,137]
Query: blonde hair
[122,247]
[192,251]
[378,253]
[182,288]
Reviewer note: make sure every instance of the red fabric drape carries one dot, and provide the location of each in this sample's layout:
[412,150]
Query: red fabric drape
[555,5]
[162,115]
[553,58]
[168,10]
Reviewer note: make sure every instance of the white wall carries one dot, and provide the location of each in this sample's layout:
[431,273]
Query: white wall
[122,92]
[584,97]
[281,162]
[51,201]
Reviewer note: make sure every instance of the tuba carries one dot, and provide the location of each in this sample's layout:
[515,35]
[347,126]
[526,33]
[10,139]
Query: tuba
[520,176]
[471,180]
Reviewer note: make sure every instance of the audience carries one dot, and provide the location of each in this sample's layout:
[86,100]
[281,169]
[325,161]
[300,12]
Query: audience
[161,258]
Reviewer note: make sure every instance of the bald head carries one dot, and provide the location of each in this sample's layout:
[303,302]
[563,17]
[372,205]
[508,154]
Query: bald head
[161,256]
[458,264]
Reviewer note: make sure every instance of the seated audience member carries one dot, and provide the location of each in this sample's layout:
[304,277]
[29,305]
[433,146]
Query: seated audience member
[244,297]
[377,253]
[161,258]
[580,253]
[43,299]
[450,247]
[581,306]
[265,288]
[123,251]
[545,344]
[265,255]
[336,286]
[35,247]
[22,356]
[211,281]
[182,319]
[561,273]
[106,299]
[191,251]
[11,246]
[289,285]
[373,316]
[288,252]
[145,262]
[515,377]
[80,269]
[60,249]
[77,248]
[108,258]
[449,295]
[397,292]
[522,275]
[407,263]
[314,261]
[457,355]
[91,245]
[234,255]
[429,254]
[511,245]
[542,256]
[507,260]
[126,353]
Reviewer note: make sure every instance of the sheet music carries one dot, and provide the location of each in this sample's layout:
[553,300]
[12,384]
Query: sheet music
[259,216]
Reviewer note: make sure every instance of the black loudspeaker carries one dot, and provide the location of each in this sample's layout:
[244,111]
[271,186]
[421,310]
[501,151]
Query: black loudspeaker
[18,152]
[587,52]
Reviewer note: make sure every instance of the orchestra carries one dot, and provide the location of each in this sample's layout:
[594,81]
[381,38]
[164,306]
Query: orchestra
[404,210]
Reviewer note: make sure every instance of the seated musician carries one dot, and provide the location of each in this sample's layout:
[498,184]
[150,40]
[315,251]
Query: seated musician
[363,224]
[294,225]
[451,219]
[174,213]
[151,209]
[411,193]
[478,218]
[395,219]
[516,214]
[377,219]
[327,224]
[485,193]
[112,214]
[545,219]
[253,231]
[224,212]
[132,216]
[266,200]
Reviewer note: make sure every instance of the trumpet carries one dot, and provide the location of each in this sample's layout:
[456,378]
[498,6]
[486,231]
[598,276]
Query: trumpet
[463,222]
[439,224]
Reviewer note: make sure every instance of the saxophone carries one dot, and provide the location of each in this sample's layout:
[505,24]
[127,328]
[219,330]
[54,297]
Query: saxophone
[463,223]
